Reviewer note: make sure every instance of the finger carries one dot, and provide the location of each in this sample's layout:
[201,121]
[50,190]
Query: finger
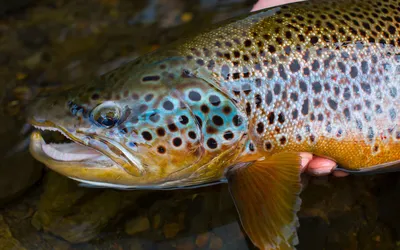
[262,4]
[320,166]
[339,173]
[305,160]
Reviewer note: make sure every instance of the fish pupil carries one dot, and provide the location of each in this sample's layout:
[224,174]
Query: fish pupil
[108,119]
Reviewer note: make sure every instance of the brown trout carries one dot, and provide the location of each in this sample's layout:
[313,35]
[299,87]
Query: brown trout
[236,104]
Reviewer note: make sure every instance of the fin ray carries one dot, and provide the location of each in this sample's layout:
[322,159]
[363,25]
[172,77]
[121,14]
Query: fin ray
[265,193]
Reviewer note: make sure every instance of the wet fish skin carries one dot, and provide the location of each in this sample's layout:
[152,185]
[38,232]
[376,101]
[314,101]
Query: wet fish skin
[239,102]
[318,76]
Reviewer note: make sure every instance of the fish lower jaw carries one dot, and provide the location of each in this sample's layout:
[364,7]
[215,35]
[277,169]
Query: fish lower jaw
[65,153]
[87,151]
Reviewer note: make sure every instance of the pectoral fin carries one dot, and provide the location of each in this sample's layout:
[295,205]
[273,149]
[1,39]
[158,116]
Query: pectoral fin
[266,195]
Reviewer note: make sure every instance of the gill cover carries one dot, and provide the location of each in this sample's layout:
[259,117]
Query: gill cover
[181,120]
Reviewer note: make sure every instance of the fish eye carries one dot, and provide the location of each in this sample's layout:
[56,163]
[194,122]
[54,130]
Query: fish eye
[106,114]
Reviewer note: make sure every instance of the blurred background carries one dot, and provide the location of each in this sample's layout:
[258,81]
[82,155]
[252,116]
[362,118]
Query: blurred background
[46,46]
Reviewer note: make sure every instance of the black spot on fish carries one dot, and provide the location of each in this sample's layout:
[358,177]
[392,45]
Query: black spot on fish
[294,96]
[248,109]
[347,114]
[271,117]
[277,89]
[268,145]
[371,134]
[317,87]
[283,140]
[269,97]
[342,67]
[392,113]
[303,86]
[392,29]
[204,108]
[168,105]
[281,118]
[227,110]
[332,103]
[315,65]
[194,96]
[353,72]
[305,107]
[160,132]
[294,66]
[260,128]
[393,92]
[237,120]
[154,117]
[172,127]
[295,114]
[359,124]
[271,49]
[282,72]
[150,78]
[200,62]
[184,120]
[161,149]
[147,136]
[346,94]
[251,147]
[270,73]
[217,120]
[148,97]
[192,135]
[177,142]
[366,87]
[212,143]
[257,100]
[214,100]
[364,67]
[228,135]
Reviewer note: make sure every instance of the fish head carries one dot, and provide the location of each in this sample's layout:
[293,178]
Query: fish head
[141,125]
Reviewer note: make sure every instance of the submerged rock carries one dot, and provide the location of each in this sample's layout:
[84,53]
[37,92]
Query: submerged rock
[75,213]
[17,174]
[137,225]
[7,241]
[18,170]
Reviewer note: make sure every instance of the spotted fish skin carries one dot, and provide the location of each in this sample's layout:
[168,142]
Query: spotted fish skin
[316,76]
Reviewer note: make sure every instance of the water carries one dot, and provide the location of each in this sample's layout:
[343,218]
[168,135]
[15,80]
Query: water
[50,45]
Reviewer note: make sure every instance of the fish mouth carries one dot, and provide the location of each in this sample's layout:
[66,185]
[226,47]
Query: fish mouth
[88,151]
